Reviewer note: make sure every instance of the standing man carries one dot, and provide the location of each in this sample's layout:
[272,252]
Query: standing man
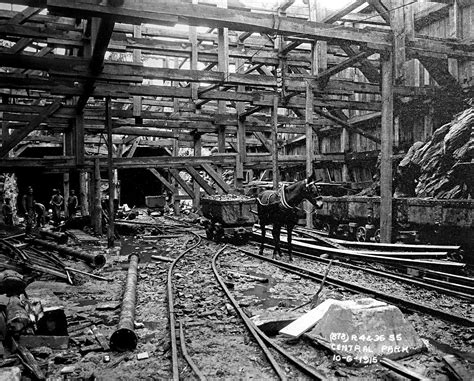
[28,203]
[57,202]
[72,204]
[7,212]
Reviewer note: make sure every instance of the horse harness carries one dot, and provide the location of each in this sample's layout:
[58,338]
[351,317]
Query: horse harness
[269,197]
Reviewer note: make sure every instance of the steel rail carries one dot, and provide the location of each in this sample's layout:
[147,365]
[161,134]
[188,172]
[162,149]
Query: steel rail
[347,254]
[406,304]
[246,320]
[186,355]
[406,279]
[310,371]
[450,288]
[172,320]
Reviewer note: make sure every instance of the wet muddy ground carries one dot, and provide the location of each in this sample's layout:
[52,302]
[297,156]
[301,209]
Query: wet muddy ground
[215,337]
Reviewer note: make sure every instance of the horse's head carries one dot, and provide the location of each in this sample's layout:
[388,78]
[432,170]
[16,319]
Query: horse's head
[312,193]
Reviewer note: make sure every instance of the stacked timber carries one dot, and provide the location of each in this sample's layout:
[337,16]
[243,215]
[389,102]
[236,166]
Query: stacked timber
[433,163]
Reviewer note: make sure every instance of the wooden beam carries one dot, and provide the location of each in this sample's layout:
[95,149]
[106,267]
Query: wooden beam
[198,178]
[274,150]
[216,177]
[101,31]
[24,16]
[309,145]
[202,15]
[263,139]
[337,15]
[165,182]
[386,150]
[347,125]
[110,174]
[18,135]
[181,182]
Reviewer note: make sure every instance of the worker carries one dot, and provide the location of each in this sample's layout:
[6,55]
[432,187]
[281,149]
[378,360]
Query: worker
[7,212]
[57,202]
[28,204]
[40,211]
[72,204]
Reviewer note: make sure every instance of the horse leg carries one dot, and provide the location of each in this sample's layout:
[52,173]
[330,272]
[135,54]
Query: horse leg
[276,238]
[262,242]
[289,228]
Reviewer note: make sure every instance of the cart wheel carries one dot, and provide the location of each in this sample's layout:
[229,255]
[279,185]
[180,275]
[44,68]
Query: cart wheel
[361,234]
[327,228]
[377,236]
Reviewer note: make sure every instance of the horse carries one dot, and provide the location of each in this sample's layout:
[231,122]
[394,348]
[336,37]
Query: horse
[279,208]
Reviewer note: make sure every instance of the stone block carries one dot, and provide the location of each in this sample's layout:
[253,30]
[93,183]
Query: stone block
[361,331]
[10,374]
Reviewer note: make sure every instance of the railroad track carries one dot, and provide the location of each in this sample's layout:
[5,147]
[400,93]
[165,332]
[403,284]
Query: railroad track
[195,304]
[442,282]
[404,303]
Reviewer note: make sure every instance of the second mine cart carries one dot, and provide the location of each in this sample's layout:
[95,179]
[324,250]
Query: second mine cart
[229,217]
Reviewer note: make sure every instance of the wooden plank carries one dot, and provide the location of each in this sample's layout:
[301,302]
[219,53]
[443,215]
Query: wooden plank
[182,183]
[456,368]
[263,139]
[197,177]
[337,15]
[20,134]
[53,342]
[309,146]
[386,150]
[202,15]
[24,15]
[274,149]
[306,321]
[347,125]
[215,176]
[403,370]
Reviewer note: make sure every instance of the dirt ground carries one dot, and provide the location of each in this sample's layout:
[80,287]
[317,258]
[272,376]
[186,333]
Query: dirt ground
[215,337]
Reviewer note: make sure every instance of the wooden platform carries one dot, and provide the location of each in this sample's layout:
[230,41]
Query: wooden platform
[83,237]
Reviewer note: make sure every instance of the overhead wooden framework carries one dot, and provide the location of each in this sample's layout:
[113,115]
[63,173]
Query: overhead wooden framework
[228,77]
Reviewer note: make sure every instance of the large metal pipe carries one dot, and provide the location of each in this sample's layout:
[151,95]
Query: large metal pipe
[124,337]
[96,260]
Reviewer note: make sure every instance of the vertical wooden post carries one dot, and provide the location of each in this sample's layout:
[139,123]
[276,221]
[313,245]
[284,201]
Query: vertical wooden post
[197,152]
[174,182]
[386,147]
[137,58]
[455,31]
[84,190]
[223,66]
[79,139]
[194,57]
[110,173]
[97,198]
[309,145]
[275,142]
[241,132]
[345,148]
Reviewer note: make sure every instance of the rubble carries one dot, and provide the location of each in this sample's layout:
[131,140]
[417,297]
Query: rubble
[429,167]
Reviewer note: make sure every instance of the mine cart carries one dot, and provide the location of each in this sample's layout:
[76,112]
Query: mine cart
[429,220]
[228,217]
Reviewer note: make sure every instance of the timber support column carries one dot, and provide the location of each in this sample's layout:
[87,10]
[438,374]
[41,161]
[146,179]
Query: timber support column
[386,149]
[110,173]
[196,186]
[309,147]
[223,66]
[275,142]
[84,192]
[97,215]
